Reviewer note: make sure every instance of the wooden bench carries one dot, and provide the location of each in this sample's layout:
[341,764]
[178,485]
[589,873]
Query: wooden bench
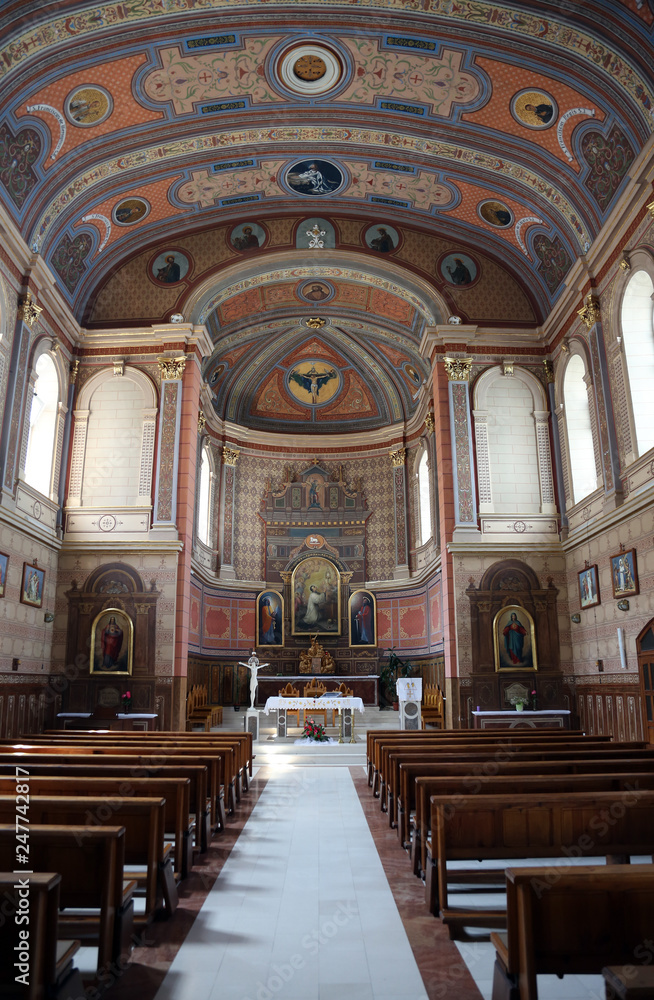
[50,973]
[526,776]
[432,711]
[176,792]
[199,711]
[90,862]
[616,825]
[629,982]
[145,849]
[570,920]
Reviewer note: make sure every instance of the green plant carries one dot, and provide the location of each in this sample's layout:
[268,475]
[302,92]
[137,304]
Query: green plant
[314,731]
[390,671]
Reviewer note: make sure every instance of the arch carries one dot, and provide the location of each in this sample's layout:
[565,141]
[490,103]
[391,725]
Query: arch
[637,329]
[205,493]
[512,438]
[44,419]
[580,433]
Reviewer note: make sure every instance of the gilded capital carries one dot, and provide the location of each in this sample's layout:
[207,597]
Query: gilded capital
[458,369]
[172,368]
[230,456]
[398,457]
[549,370]
[74,371]
[430,423]
[202,421]
[590,312]
[625,263]
[316,322]
[650,209]
[119,367]
[28,310]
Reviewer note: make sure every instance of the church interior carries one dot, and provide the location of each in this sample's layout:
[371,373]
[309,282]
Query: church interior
[277,379]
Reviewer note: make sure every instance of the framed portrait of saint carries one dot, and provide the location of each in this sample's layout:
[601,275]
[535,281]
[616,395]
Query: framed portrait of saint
[362,616]
[270,619]
[624,574]
[316,597]
[514,639]
[31,588]
[112,642]
[589,594]
[4,563]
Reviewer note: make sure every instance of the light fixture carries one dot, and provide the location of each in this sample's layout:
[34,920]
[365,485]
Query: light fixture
[576,618]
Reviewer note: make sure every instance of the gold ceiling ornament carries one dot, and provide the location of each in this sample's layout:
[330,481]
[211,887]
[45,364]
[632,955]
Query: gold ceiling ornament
[590,312]
[202,421]
[230,455]
[28,310]
[549,370]
[458,369]
[119,367]
[650,209]
[625,263]
[172,368]
[316,322]
[430,423]
[507,368]
[73,372]
[398,457]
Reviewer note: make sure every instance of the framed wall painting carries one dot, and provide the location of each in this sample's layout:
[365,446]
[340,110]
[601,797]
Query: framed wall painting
[624,574]
[31,588]
[362,616]
[270,619]
[316,597]
[112,642]
[514,639]
[589,594]
[4,563]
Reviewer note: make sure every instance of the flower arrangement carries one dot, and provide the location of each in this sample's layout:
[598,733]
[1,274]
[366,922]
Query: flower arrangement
[127,701]
[314,731]
[518,699]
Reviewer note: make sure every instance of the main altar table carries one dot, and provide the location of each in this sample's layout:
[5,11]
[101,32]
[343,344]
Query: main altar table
[345,707]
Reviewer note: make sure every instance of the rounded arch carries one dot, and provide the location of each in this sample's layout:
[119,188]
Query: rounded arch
[580,432]
[482,385]
[634,355]
[145,383]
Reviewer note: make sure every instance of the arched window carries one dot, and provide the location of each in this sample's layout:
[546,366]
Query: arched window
[580,435]
[424,499]
[43,424]
[204,505]
[637,324]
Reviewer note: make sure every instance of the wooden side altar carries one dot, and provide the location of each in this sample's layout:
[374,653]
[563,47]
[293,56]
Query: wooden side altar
[548,719]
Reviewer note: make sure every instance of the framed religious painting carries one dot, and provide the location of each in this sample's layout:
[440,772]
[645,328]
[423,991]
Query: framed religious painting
[624,574]
[270,619]
[514,639]
[4,563]
[316,597]
[362,616]
[31,588]
[589,594]
[112,642]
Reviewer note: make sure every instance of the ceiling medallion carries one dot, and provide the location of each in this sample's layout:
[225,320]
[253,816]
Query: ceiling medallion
[310,70]
[316,323]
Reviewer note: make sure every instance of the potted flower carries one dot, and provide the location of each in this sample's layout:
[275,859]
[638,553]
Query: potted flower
[314,731]
[127,701]
[519,700]
[389,673]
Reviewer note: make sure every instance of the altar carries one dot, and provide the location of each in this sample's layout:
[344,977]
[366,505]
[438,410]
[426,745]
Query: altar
[345,706]
[555,718]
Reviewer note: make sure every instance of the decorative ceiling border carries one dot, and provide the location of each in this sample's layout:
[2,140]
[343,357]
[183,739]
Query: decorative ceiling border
[513,20]
[303,136]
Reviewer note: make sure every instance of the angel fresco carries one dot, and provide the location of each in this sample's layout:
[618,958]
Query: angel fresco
[312,381]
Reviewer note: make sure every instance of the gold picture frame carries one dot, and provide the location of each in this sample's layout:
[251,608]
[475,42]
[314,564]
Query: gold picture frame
[514,639]
[316,597]
[112,642]
[362,618]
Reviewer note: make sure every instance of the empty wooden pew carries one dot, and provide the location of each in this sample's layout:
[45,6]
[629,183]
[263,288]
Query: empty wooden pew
[570,920]
[91,865]
[616,825]
[51,974]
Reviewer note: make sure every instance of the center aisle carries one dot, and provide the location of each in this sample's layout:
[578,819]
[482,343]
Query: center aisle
[302,907]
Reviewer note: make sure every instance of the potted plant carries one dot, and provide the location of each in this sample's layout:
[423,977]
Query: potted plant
[519,701]
[389,673]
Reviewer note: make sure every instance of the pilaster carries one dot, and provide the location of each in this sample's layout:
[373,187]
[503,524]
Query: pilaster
[398,466]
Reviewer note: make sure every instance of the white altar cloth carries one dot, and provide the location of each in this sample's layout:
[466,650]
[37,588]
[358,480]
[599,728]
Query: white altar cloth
[274,704]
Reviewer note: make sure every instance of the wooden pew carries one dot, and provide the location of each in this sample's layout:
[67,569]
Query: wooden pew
[550,825]
[629,982]
[570,920]
[525,776]
[199,711]
[91,864]
[175,791]
[143,820]
[51,974]
[79,765]
[432,710]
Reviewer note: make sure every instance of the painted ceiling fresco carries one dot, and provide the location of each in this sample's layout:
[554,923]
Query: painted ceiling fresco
[164,158]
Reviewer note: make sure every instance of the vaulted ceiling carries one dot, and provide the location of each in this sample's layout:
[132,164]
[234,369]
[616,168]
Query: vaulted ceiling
[380,166]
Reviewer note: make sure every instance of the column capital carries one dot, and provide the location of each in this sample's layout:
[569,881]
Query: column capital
[458,369]
[230,456]
[430,423]
[397,457]
[549,370]
[28,310]
[172,368]
[202,421]
[590,312]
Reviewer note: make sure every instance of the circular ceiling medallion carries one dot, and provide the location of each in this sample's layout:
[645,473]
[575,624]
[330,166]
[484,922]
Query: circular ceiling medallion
[313,383]
[495,213]
[309,69]
[534,109]
[88,105]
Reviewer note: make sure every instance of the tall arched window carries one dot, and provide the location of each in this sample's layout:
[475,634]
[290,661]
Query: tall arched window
[204,505]
[580,435]
[43,423]
[424,499]
[637,324]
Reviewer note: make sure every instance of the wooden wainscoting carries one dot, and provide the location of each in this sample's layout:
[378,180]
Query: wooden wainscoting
[25,706]
[610,710]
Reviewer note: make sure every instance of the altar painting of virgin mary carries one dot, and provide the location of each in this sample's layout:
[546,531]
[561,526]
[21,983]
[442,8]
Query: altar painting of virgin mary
[514,639]
[316,597]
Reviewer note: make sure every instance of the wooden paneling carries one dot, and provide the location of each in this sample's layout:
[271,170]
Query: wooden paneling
[610,710]
[26,706]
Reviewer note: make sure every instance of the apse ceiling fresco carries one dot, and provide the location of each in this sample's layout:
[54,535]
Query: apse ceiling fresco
[380,165]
